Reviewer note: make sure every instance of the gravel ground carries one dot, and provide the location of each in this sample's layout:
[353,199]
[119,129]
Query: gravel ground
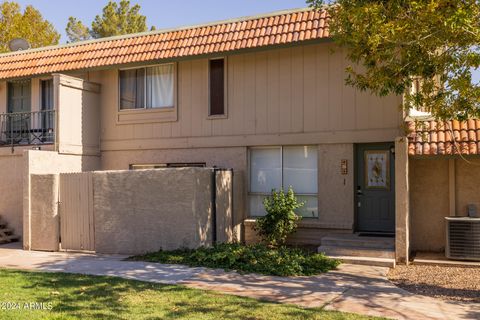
[446,282]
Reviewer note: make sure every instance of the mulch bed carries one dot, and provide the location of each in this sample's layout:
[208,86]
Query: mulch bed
[446,282]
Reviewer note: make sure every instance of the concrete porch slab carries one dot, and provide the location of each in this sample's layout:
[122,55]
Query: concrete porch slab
[435,258]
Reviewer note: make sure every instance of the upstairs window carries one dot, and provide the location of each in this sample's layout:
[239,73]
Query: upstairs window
[147,88]
[217,87]
[417,111]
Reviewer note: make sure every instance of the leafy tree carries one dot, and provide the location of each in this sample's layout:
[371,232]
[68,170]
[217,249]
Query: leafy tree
[116,19]
[76,30]
[29,25]
[394,43]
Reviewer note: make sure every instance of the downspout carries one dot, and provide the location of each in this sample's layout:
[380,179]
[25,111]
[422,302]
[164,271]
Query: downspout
[214,206]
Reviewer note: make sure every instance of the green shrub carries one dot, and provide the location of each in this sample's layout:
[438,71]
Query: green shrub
[258,258]
[281,219]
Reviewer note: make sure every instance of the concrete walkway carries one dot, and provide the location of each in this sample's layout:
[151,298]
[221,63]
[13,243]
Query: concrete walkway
[351,288]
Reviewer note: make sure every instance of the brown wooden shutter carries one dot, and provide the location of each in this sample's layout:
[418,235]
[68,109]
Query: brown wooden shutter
[217,87]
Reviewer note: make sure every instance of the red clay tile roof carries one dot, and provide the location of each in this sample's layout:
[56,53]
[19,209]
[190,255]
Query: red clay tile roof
[276,29]
[444,138]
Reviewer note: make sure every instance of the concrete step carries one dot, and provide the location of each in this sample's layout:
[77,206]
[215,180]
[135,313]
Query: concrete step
[355,251]
[367,261]
[357,241]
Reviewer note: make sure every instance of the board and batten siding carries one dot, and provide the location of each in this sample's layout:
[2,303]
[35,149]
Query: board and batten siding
[294,95]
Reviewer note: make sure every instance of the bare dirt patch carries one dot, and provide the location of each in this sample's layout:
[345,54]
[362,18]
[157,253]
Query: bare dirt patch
[446,282]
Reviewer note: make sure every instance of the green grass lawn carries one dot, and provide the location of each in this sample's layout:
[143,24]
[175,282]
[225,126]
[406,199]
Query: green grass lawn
[91,297]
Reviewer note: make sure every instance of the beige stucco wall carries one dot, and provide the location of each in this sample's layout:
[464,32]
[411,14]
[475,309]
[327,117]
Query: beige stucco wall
[467,184]
[45,234]
[440,187]
[11,170]
[336,207]
[48,162]
[429,203]
[335,190]
[146,210]
[235,158]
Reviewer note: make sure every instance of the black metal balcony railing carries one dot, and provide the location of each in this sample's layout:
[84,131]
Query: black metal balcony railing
[27,128]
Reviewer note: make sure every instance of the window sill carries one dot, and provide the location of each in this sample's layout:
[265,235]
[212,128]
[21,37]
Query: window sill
[306,221]
[217,117]
[154,115]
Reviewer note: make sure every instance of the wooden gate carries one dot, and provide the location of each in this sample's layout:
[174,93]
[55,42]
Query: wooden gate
[76,211]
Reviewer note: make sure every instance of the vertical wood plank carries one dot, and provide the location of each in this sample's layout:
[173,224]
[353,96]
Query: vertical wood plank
[202,89]
[349,106]
[336,73]
[297,89]
[273,85]
[76,211]
[309,88]
[196,103]
[185,112]
[285,90]
[261,93]
[323,86]
[238,95]
[249,94]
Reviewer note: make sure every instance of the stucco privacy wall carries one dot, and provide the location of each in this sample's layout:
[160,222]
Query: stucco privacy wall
[11,173]
[467,184]
[235,158]
[224,205]
[44,216]
[140,211]
[48,162]
[440,187]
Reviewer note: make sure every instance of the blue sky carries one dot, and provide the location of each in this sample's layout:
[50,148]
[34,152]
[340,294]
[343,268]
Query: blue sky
[161,13]
[164,13]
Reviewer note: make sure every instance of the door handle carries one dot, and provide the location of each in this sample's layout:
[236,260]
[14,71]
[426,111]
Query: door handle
[359,191]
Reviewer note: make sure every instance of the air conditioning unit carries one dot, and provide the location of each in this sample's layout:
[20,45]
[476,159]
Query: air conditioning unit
[463,238]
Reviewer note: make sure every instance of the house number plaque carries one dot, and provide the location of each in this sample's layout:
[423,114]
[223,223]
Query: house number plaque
[344,167]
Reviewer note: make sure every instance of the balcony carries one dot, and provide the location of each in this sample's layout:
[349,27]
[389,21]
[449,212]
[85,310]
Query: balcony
[27,128]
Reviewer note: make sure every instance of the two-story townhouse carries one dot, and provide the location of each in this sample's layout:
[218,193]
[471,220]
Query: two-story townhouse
[263,95]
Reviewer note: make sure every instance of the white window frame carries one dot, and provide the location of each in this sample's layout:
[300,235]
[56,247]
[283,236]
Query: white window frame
[249,193]
[414,112]
[145,88]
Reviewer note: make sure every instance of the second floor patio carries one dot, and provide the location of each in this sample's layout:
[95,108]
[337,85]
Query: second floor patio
[27,128]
